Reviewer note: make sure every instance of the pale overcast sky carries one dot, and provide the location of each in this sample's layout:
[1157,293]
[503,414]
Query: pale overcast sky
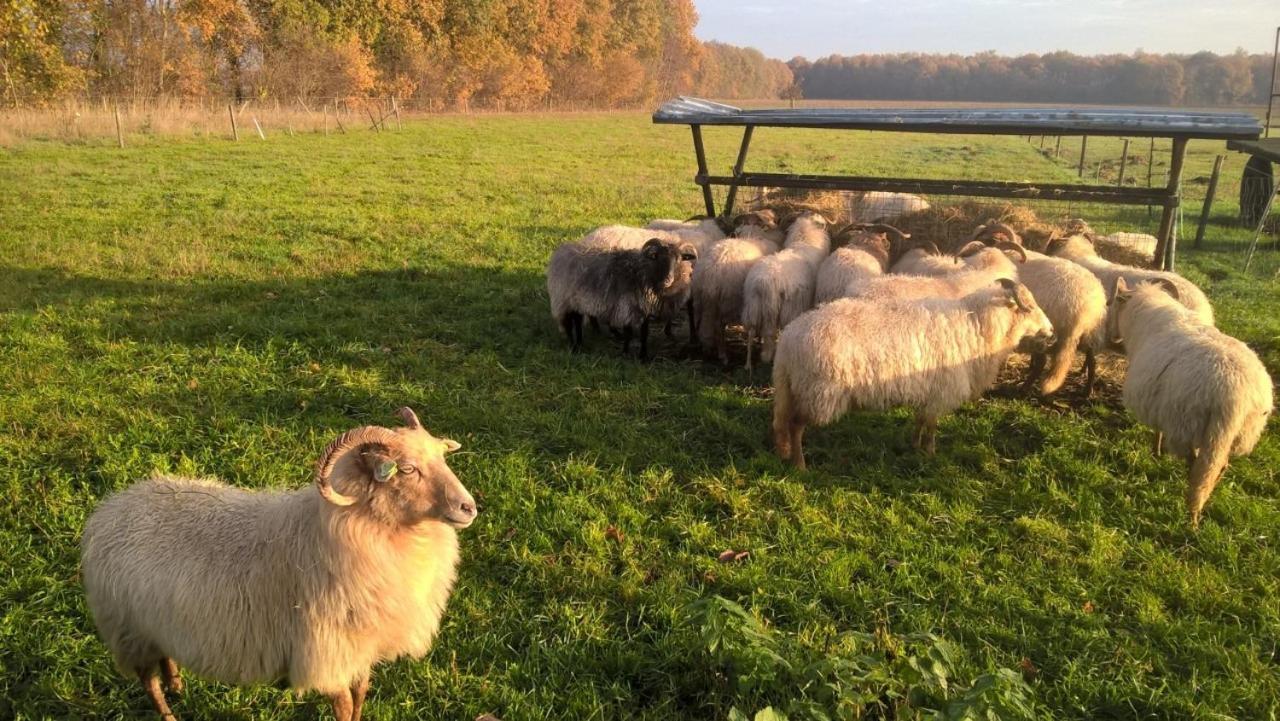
[814,28]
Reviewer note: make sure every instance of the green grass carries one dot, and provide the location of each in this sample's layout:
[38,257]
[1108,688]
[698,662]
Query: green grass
[206,307]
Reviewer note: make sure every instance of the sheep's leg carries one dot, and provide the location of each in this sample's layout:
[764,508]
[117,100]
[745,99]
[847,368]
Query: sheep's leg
[172,678]
[358,691]
[768,342]
[151,683]
[644,339]
[693,323]
[1202,477]
[595,325]
[722,346]
[1033,371]
[783,419]
[668,330]
[1090,371]
[572,324]
[751,344]
[797,445]
[1059,364]
[626,340]
[566,324]
[343,705]
[1157,443]
[926,434]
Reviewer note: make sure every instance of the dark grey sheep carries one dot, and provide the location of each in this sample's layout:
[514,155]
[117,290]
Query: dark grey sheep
[624,288]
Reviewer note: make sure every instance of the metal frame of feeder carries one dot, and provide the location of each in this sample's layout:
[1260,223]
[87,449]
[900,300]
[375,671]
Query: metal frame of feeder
[1178,125]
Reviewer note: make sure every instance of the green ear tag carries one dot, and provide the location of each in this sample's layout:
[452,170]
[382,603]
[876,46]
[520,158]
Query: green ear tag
[385,470]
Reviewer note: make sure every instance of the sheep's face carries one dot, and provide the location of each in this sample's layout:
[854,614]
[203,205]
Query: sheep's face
[1030,325]
[662,260]
[763,219]
[1077,226]
[1002,258]
[877,244]
[410,482]
[398,477]
[1072,246]
[1121,299]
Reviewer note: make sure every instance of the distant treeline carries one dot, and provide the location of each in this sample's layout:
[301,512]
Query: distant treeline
[526,54]
[513,54]
[1061,77]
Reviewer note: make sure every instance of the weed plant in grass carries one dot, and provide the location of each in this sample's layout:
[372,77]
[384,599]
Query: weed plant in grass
[210,308]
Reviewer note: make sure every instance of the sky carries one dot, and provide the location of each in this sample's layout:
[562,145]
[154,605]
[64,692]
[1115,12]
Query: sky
[814,28]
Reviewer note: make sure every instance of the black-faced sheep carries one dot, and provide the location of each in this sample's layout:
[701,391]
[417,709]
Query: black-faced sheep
[314,586]
[1207,393]
[876,354]
[622,287]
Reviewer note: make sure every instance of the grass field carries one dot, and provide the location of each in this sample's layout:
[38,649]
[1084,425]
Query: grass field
[205,307]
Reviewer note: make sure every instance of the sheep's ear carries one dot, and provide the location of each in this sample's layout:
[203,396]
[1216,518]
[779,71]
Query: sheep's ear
[1168,287]
[1121,291]
[450,445]
[378,462]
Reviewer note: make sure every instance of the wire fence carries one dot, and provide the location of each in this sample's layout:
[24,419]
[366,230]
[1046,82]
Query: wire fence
[1226,223]
[1228,220]
[118,117]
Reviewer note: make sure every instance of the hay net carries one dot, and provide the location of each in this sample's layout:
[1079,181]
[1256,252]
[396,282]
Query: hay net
[950,222]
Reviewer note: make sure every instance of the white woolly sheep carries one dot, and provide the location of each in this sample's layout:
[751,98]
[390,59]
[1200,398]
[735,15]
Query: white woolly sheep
[1140,244]
[314,586]
[924,259]
[873,206]
[865,354]
[780,287]
[719,277]
[623,287]
[712,228]
[1079,250]
[986,266]
[1072,298]
[1205,392]
[864,255]
[613,237]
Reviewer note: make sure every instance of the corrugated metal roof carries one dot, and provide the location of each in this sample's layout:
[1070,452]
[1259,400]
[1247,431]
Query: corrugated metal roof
[1136,122]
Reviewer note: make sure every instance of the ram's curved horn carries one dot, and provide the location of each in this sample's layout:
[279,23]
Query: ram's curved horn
[345,442]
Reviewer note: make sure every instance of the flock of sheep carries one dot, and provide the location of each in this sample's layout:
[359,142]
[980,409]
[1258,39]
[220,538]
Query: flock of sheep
[865,317]
[315,586]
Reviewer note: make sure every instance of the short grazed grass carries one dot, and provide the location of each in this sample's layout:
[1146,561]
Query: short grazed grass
[205,307]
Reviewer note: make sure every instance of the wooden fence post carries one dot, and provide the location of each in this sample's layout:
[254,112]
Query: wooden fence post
[1151,162]
[1124,161]
[119,135]
[259,127]
[1166,244]
[1208,199]
[395,108]
[235,132]
[1084,144]
[1057,148]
